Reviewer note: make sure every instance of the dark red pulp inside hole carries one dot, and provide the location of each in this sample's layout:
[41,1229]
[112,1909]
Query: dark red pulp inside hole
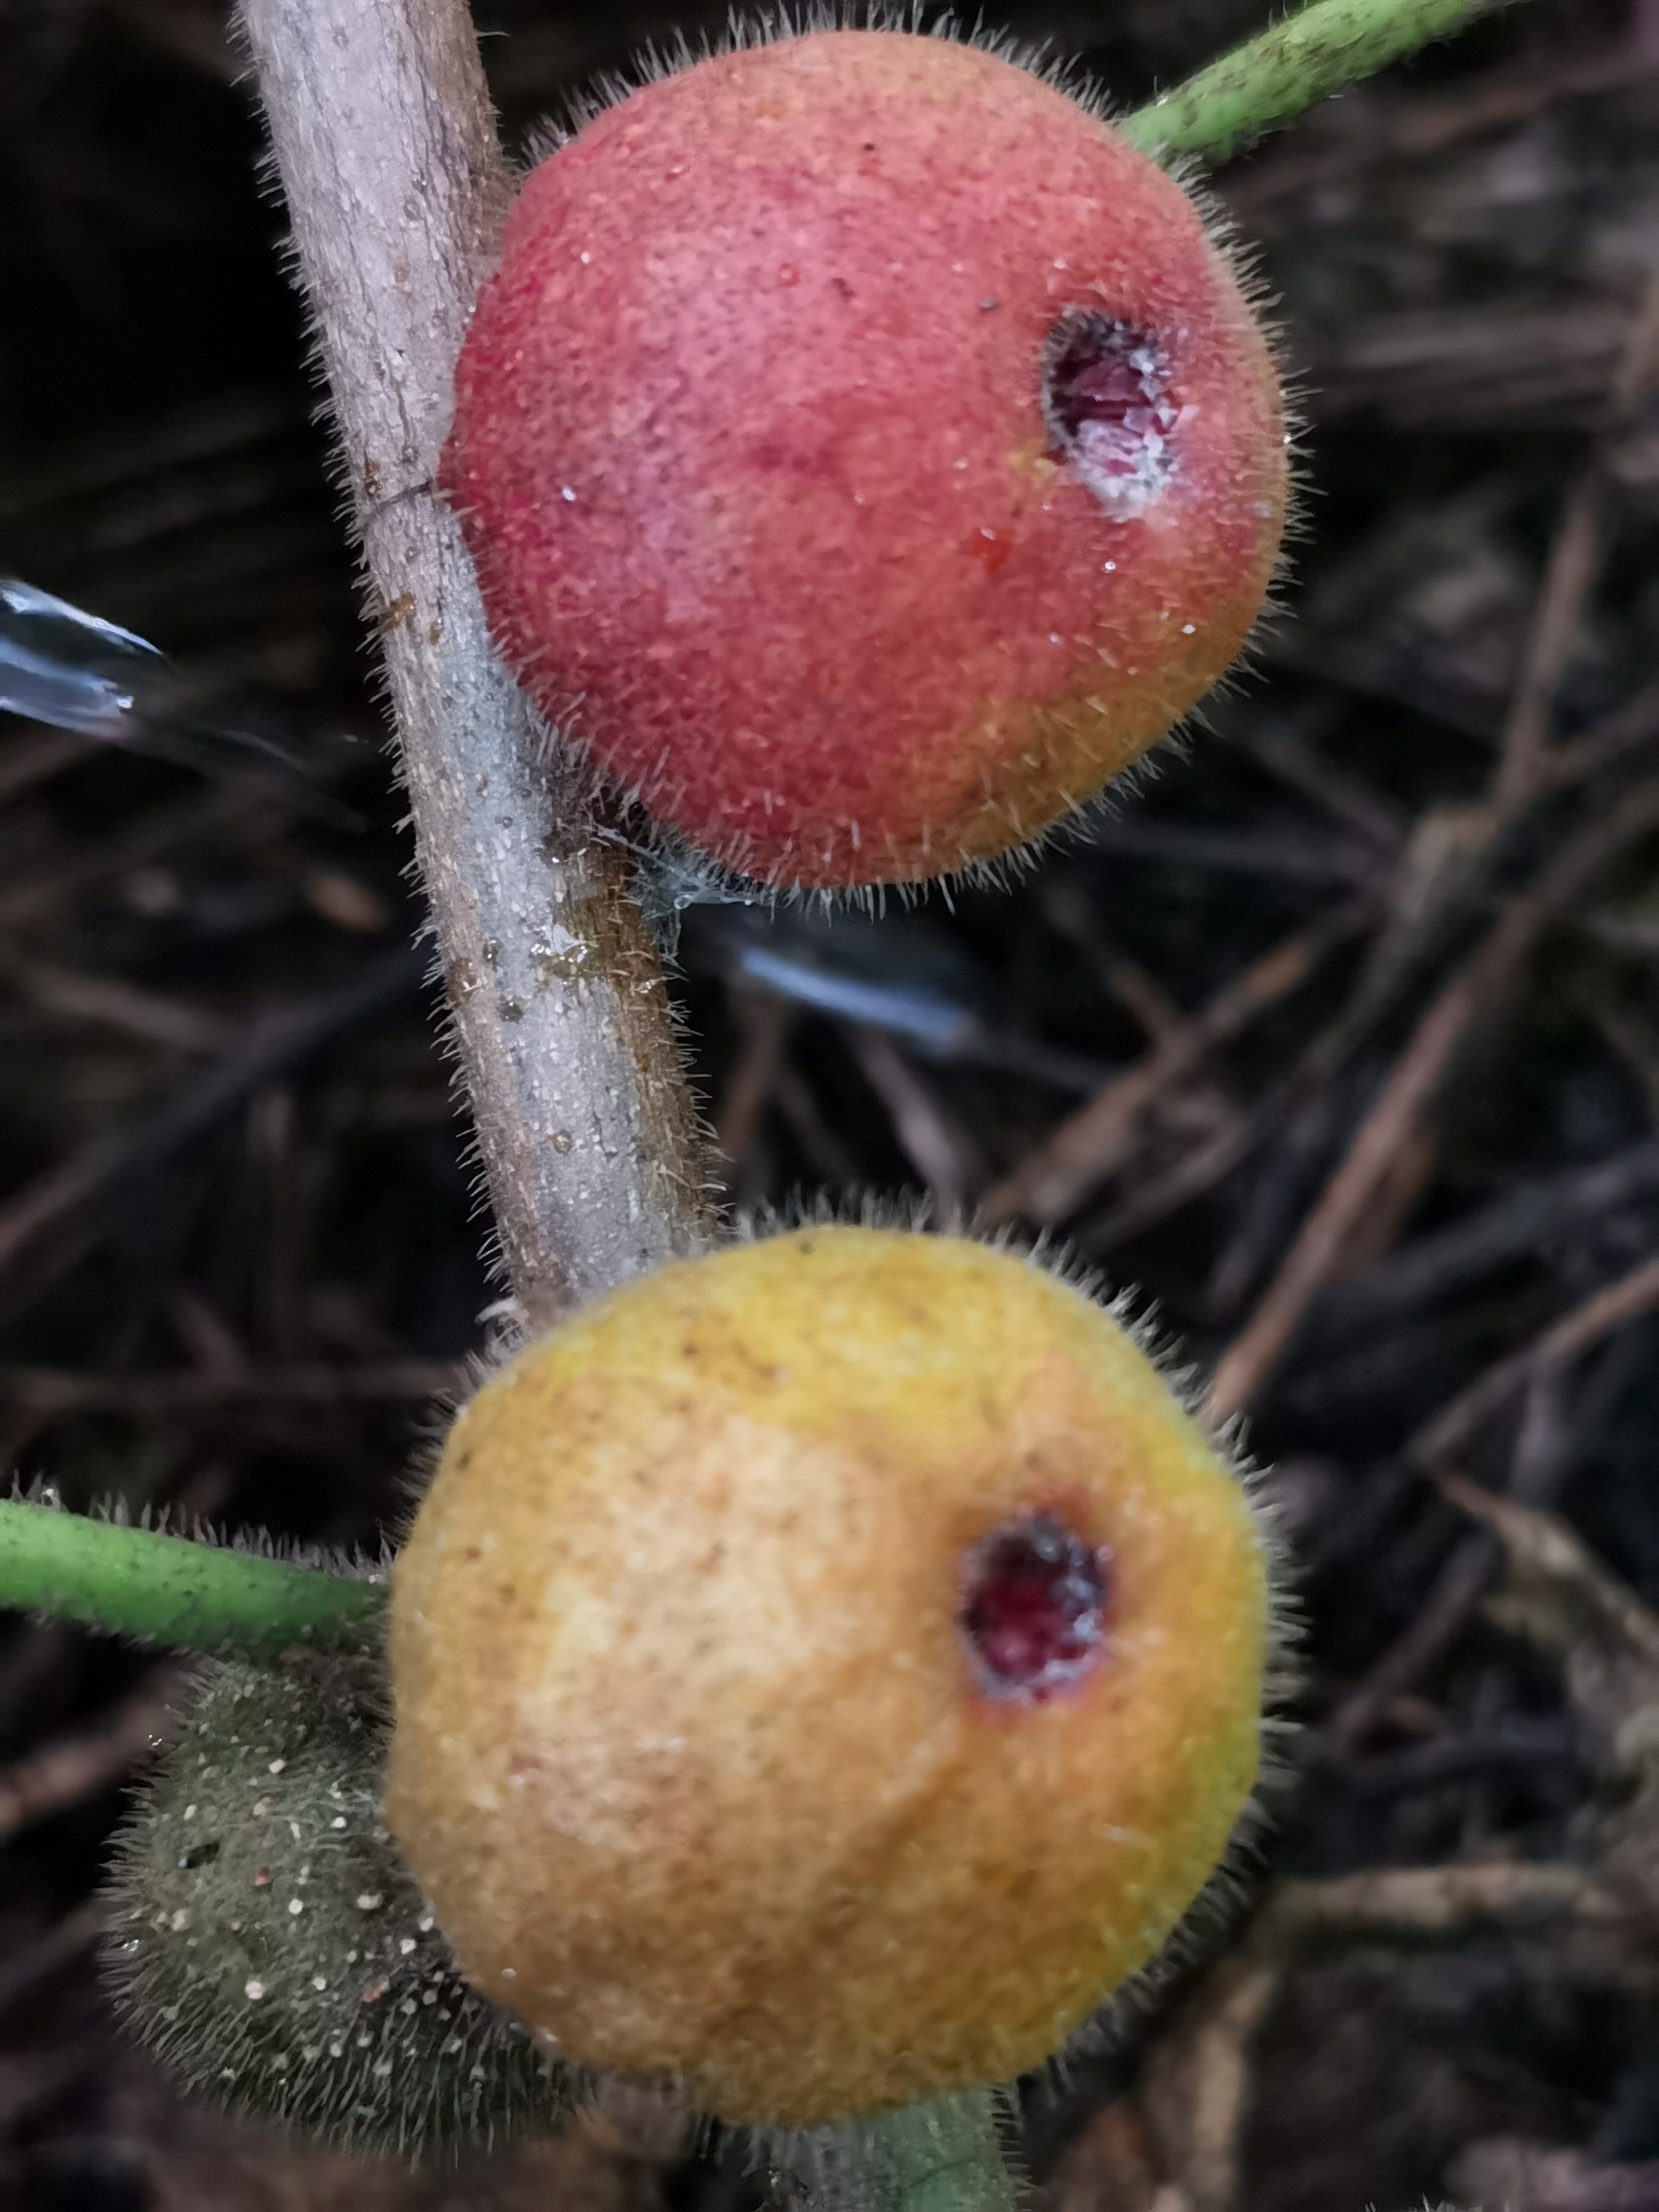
[1033,1610]
[1099,370]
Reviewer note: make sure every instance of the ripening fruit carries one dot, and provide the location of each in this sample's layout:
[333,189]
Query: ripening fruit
[865,452]
[822,1672]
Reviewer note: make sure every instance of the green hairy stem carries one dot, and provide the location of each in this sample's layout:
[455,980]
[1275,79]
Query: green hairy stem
[943,2157]
[1272,78]
[167,1589]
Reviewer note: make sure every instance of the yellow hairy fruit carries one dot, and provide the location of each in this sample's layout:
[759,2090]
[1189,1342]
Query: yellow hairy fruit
[824,1672]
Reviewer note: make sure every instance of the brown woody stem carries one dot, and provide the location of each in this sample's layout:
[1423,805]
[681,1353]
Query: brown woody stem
[385,144]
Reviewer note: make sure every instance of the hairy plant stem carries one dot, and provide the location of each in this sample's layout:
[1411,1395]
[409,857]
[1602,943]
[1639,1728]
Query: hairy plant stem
[942,2157]
[1271,79]
[385,144]
[167,1589]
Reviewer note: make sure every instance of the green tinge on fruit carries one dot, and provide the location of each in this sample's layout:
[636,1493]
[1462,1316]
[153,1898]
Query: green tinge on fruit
[267,1942]
[824,1671]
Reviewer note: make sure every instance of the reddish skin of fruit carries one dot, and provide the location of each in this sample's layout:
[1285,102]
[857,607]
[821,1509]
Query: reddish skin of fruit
[750,450]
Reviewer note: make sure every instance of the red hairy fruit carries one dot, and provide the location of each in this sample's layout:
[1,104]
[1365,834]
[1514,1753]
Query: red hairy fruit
[822,1672]
[865,452]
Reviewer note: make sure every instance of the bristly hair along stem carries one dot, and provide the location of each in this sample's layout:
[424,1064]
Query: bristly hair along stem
[1272,78]
[170,1590]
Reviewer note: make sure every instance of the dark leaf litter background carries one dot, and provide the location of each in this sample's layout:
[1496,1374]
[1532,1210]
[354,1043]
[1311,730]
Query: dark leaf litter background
[1339,1038]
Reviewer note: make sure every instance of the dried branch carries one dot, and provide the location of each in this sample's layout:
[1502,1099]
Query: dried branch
[1456,1590]
[1571,573]
[1436,1900]
[51,1780]
[1050,1180]
[1415,1081]
[57,1206]
[48,1391]
[104,1001]
[1632,1296]
[1552,635]
[1525,1221]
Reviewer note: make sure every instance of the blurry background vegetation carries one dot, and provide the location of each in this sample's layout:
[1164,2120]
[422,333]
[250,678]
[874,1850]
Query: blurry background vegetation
[240,1246]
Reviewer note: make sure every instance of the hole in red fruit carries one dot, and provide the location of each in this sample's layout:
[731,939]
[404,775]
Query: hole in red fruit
[1106,401]
[1033,1608]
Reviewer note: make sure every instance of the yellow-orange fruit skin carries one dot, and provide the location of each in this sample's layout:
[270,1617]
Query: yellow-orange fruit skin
[690,1756]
